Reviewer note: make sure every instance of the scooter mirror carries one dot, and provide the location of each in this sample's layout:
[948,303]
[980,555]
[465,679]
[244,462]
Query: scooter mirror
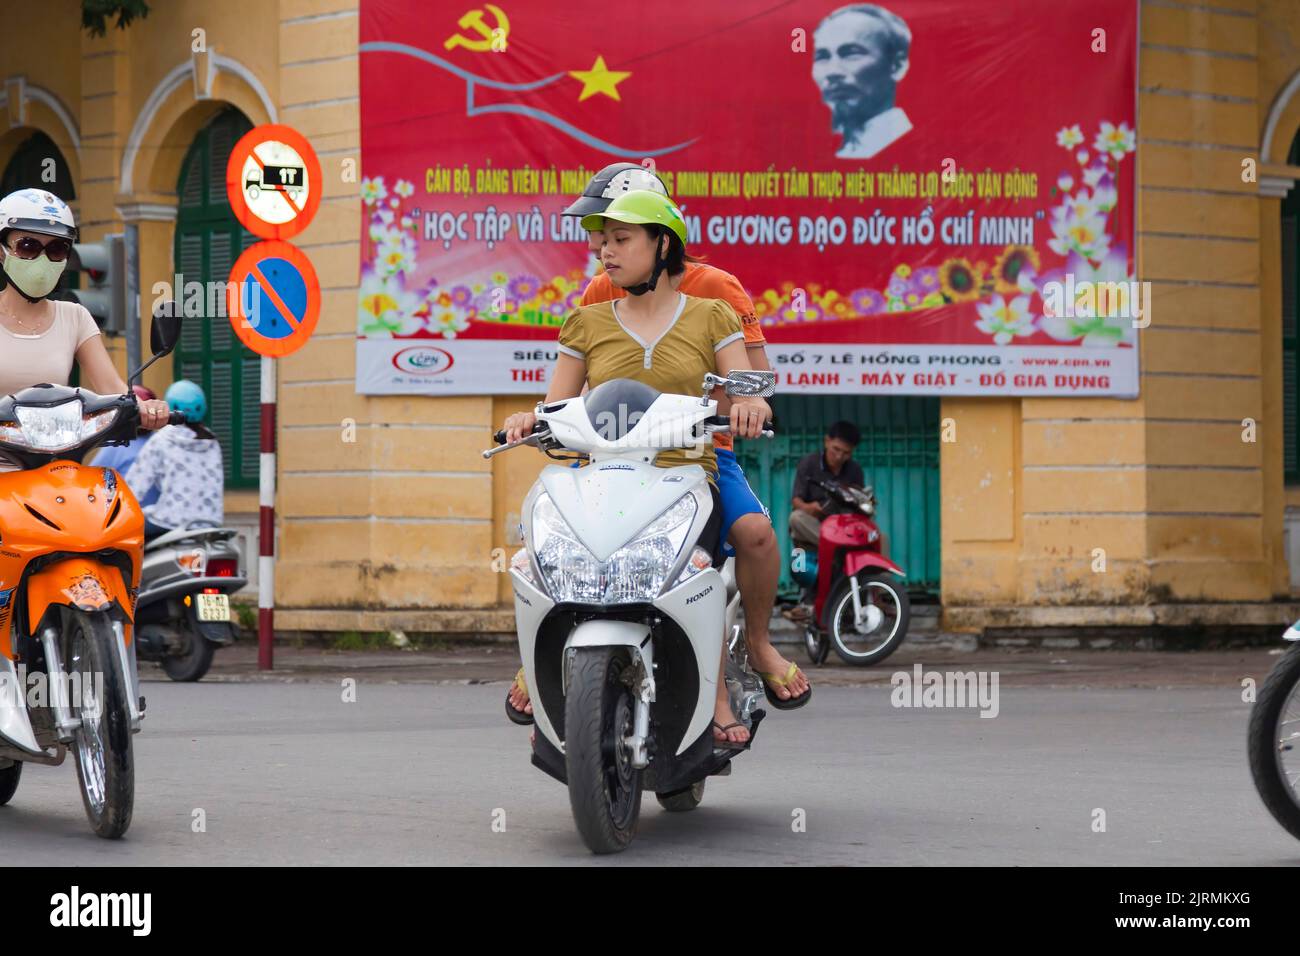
[750,383]
[164,331]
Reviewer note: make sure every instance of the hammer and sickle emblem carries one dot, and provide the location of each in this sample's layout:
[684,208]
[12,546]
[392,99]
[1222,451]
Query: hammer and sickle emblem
[474,21]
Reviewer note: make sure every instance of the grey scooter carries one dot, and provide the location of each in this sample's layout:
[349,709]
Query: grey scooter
[183,610]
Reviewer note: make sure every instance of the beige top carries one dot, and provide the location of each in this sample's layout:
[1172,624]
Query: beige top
[27,360]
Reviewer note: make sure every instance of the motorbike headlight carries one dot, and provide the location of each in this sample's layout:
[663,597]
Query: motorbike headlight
[56,428]
[635,572]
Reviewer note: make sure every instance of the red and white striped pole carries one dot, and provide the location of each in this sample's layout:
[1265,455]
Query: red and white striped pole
[266,536]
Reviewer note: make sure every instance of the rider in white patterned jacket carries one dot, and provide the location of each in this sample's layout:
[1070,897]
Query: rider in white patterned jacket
[184,463]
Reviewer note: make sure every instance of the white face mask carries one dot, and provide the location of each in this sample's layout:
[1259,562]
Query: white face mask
[35,278]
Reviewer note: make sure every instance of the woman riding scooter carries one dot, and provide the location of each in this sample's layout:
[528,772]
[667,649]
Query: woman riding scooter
[658,336]
[746,525]
[41,339]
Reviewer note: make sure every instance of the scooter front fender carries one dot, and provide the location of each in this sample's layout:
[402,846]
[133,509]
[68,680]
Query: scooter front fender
[80,583]
[857,561]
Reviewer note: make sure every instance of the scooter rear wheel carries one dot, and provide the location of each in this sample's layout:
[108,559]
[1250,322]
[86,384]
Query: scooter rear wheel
[680,801]
[9,777]
[816,643]
[193,662]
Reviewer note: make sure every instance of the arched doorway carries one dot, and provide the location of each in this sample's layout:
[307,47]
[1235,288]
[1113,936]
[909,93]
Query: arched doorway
[30,167]
[208,240]
[1290,321]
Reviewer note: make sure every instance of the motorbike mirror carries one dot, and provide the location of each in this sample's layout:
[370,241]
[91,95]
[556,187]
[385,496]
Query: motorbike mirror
[749,383]
[164,335]
[165,331]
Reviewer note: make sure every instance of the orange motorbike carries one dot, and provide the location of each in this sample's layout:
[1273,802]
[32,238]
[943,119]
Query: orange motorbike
[71,548]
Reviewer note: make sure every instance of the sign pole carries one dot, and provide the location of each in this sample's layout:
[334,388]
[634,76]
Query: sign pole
[266,536]
[274,185]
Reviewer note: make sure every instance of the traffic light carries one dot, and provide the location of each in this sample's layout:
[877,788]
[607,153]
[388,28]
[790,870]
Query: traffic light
[103,268]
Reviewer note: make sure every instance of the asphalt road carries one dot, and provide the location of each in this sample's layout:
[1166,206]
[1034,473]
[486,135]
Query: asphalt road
[416,773]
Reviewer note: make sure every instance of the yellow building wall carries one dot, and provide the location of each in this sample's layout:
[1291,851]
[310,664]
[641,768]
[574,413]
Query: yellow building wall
[388,514]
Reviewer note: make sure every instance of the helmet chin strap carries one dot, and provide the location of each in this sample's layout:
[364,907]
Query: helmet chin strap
[661,263]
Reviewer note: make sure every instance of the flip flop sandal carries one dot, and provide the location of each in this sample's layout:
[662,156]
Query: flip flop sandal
[777,702]
[518,716]
[725,744]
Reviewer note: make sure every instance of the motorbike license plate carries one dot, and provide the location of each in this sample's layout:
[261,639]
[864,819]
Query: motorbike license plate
[214,607]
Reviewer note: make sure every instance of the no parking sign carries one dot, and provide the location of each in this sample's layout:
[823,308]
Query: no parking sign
[273,298]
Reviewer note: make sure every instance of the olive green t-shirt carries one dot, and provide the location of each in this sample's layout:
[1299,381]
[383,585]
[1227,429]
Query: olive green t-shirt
[676,362]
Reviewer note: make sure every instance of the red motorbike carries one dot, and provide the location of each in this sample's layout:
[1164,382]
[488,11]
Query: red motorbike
[859,602]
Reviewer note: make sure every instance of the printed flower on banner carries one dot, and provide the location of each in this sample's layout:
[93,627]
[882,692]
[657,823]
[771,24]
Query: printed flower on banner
[386,309]
[460,295]
[523,287]
[449,323]
[396,254]
[1010,265]
[404,188]
[959,281]
[378,310]
[1092,175]
[1115,140]
[927,279]
[1005,320]
[1069,136]
[867,302]
[1105,301]
[1079,229]
[373,191]
[1105,195]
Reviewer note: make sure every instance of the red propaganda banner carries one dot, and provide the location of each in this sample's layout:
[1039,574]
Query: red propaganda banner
[920,196]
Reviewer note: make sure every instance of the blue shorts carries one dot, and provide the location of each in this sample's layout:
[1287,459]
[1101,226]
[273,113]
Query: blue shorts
[738,499]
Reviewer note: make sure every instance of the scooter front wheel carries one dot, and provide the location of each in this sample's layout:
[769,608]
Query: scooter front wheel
[1273,742]
[886,612]
[99,691]
[604,788]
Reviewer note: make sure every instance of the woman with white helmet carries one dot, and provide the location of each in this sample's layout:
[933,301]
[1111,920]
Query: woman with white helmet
[40,339]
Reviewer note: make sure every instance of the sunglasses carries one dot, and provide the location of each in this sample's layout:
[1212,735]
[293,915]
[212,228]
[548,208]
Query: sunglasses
[29,247]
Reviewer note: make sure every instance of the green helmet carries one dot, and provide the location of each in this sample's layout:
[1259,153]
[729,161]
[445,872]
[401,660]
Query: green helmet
[640,207]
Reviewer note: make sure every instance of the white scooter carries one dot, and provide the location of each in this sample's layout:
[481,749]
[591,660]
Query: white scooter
[621,614]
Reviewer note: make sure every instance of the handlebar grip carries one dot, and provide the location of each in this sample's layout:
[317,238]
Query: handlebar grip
[177,418]
[500,437]
[722,421]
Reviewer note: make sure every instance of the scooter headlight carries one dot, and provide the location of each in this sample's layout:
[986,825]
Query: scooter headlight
[634,573]
[55,428]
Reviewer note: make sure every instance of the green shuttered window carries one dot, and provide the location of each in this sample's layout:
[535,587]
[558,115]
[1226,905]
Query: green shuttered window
[208,240]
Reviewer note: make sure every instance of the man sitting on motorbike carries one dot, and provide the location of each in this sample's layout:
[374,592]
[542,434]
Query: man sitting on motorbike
[659,336]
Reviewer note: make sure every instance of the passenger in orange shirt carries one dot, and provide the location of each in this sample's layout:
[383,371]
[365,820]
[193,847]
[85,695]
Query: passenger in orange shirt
[746,522]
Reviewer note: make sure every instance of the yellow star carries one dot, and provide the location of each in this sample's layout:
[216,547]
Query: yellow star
[599,79]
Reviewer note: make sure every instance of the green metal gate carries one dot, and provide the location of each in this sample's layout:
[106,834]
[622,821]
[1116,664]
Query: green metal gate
[899,454]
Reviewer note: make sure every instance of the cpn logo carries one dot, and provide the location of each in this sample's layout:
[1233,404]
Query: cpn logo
[422,360]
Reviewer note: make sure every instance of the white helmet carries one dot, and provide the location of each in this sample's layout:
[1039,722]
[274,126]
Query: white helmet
[35,210]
